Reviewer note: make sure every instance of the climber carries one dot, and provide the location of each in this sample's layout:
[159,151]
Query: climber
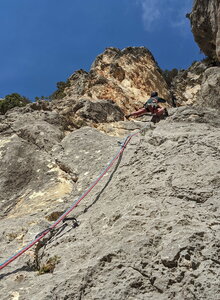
[174,100]
[152,107]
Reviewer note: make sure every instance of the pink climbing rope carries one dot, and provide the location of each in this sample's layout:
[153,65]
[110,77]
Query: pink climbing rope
[76,202]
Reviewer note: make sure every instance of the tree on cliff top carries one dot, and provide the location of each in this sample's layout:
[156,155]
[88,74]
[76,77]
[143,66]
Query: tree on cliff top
[11,101]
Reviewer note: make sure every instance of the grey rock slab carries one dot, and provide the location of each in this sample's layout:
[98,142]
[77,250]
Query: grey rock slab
[100,111]
[149,230]
[42,128]
[85,153]
[21,165]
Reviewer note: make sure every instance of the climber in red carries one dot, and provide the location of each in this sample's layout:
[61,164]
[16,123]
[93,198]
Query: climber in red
[152,107]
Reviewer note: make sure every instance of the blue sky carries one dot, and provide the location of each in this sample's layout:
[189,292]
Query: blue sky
[45,41]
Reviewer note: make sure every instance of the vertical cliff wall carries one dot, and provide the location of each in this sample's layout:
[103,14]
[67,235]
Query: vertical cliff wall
[205,22]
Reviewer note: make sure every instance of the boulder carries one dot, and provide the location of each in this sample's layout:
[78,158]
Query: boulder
[83,112]
[100,111]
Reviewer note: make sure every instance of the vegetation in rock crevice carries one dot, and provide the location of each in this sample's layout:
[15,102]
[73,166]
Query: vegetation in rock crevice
[50,265]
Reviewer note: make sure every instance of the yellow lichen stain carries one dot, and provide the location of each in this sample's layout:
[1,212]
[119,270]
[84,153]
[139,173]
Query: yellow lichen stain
[36,195]
[3,142]
[42,199]
[54,192]
[15,295]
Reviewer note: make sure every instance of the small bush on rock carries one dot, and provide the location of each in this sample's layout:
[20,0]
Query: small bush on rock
[11,101]
[59,93]
[50,265]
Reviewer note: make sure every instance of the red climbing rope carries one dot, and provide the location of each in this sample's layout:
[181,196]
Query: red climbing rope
[76,202]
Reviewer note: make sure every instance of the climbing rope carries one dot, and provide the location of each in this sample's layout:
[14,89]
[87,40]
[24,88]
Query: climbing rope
[76,202]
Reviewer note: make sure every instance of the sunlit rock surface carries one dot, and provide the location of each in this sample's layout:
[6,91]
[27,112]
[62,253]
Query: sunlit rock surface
[125,76]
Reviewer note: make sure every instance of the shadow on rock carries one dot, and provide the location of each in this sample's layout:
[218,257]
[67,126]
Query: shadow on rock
[106,185]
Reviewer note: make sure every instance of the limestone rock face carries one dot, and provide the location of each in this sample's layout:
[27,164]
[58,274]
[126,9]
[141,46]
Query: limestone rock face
[148,230]
[205,22]
[186,85]
[27,169]
[82,112]
[41,128]
[198,85]
[210,88]
[125,76]
[218,37]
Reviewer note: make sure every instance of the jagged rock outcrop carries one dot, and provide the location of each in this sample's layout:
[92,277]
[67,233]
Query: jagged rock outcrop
[149,230]
[125,76]
[70,114]
[198,85]
[82,112]
[186,86]
[205,22]
[40,127]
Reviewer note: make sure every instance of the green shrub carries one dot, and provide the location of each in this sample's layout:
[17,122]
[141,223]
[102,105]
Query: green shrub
[11,101]
[59,93]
